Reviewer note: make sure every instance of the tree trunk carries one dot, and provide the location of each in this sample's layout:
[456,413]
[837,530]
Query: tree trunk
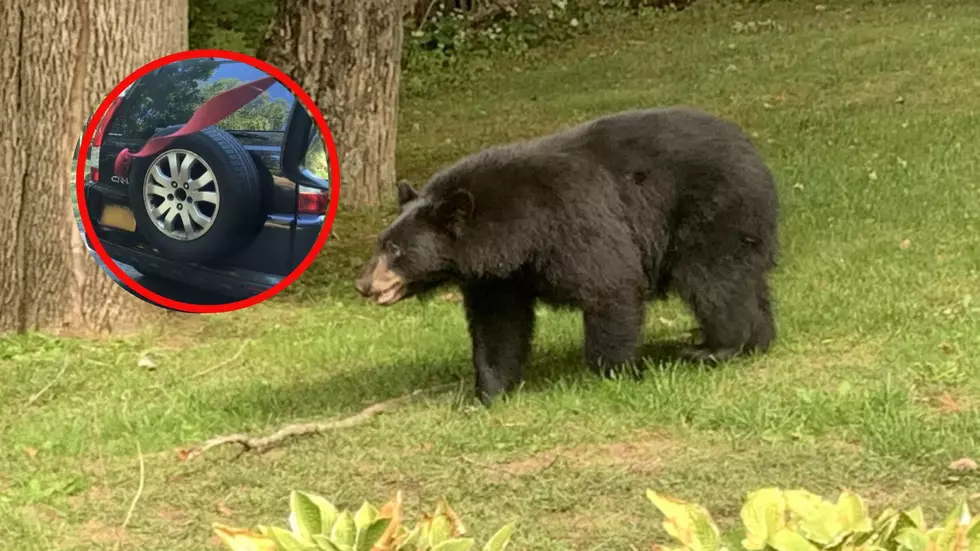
[58,60]
[346,54]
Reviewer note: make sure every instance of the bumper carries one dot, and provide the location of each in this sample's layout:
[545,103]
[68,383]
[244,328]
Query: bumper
[280,247]
[234,284]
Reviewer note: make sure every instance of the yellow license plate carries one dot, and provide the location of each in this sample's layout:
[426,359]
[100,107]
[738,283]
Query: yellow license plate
[118,217]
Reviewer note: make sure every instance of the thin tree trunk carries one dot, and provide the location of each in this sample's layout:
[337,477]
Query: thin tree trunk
[58,60]
[347,54]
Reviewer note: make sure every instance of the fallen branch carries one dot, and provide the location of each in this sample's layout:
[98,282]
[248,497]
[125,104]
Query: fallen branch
[222,364]
[264,443]
[51,383]
[139,490]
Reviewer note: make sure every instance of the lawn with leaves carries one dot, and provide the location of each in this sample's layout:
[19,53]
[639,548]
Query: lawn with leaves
[870,118]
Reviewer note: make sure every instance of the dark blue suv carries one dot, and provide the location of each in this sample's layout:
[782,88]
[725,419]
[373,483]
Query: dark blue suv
[228,211]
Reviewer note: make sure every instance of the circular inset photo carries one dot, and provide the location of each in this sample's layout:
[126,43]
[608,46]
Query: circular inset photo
[207,182]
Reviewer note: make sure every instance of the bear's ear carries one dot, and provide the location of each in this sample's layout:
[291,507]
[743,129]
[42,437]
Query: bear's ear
[454,211]
[406,193]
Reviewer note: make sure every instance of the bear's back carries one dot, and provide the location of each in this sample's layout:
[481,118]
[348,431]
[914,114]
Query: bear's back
[669,150]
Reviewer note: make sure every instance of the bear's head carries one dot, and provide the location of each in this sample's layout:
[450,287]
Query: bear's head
[415,253]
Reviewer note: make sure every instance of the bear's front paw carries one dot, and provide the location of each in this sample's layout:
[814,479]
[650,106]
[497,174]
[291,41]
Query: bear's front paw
[704,355]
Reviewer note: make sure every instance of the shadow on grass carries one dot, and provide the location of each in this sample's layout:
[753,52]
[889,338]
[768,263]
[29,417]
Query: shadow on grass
[337,394]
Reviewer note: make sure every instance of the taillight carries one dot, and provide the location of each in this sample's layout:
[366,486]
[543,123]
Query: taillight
[312,200]
[95,149]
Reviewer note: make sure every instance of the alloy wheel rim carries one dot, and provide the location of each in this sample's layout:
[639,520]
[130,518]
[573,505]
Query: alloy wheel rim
[181,195]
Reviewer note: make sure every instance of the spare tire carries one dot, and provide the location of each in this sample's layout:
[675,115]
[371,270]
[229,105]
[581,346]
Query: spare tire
[199,200]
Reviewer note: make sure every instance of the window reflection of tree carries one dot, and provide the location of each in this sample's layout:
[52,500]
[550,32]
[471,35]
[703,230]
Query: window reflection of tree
[166,96]
[170,94]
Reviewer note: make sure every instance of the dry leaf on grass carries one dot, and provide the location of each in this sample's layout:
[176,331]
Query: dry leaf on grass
[963,464]
[948,404]
[223,509]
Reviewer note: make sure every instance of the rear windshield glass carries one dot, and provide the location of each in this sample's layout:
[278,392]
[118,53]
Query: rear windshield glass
[169,95]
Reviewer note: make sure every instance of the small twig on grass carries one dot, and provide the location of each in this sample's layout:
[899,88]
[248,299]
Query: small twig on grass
[550,463]
[139,490]
[50,384]
[503,469]
[498,468]
[264,443]
[218,366]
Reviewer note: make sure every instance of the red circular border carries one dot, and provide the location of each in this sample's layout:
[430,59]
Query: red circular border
[324,230]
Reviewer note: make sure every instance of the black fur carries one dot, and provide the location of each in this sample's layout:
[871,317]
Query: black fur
[601,217]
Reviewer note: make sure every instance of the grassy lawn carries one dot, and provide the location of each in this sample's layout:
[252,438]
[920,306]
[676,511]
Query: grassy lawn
[870,118]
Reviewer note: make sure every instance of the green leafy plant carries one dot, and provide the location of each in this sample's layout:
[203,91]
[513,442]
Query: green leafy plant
[513,27]
[797,520]
[316,524]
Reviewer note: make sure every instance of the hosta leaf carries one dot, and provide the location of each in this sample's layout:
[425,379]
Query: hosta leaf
[457,527]
[240,539]
[763,514]
[787,540]
[411,539]
[883,529]
[816,519]
[804,504]
[370,536]
[501,539]
[884,517]
[688,523]
[392,509]
[305,518]
[670,508]
[344,531]
[952,535]
[365,516]
[395,530]
[286,540]
[440,530]
[913,539]
[328,513]
[324,543]
[457,544]
[853,513]
[706,533]
[424,526]
[973,535]
[916,517]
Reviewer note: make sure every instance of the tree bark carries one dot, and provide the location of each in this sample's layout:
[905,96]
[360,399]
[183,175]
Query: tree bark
[58,60]
[346,54]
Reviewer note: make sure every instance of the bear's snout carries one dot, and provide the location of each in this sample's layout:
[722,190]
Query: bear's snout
[378,281]
[363,283]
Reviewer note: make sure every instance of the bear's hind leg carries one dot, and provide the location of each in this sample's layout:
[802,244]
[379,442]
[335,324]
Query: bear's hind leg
[613,330]
[500,315]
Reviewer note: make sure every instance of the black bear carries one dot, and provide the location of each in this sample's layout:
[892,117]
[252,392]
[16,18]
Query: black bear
[603,217]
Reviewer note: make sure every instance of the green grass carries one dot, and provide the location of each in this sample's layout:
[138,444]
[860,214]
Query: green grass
[869,118]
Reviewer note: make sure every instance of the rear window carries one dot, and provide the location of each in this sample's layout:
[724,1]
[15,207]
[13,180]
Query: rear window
[170,95]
